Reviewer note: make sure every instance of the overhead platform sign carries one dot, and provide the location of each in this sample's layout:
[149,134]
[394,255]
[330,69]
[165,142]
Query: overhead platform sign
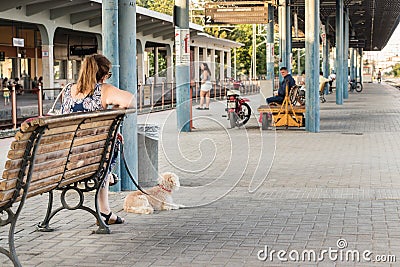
[236,12]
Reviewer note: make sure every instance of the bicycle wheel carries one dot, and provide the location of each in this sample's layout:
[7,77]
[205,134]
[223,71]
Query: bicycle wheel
[293,96]
[359,87]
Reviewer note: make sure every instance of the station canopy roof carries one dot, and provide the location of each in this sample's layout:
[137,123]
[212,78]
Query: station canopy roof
[372,22]
[81,11]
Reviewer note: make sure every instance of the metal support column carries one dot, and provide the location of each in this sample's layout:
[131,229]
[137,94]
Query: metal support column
[229,65]
[270,44]
[283,35]
[170,63]
[346,54]
[339,52]
[221,67]
[110,50]
[325,49]
[270,52]
[196,64]
[312,65]
[128,81]
[288,37]
[110,38]
[253,71]
[212,65]
[182,52]
[140,62]
[234,63]
[156,65]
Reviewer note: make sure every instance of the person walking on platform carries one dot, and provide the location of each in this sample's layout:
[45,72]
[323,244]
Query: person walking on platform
[379,76]
[332,78]
[205,86]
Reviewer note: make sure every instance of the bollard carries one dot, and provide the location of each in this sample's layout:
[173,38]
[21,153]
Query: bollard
[40,101]
[14,106]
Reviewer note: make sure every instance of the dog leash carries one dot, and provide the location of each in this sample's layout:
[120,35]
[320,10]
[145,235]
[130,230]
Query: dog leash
[129,171]
[130,174]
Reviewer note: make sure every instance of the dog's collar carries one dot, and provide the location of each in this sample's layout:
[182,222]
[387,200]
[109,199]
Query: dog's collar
[163,188]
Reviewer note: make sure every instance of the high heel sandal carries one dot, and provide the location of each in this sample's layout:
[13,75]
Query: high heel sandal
[115,179]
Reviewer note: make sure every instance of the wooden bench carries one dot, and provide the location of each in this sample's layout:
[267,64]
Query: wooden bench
[285,114]
[64,152]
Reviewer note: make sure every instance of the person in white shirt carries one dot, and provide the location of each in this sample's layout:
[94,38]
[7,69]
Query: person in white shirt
[331,78]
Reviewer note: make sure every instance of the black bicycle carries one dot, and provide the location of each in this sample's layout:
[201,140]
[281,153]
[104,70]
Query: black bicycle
[354,85]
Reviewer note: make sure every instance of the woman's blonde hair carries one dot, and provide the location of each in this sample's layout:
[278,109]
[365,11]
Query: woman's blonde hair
[93,69]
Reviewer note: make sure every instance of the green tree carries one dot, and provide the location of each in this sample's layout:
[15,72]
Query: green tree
[162,6]
[240,33]
[142,3]
[244,34]
[396,70]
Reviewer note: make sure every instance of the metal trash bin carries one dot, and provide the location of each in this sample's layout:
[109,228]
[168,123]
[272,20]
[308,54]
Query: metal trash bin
[147,154]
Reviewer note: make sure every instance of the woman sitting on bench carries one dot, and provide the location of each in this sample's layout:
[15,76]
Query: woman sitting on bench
[287,78]
[92,93]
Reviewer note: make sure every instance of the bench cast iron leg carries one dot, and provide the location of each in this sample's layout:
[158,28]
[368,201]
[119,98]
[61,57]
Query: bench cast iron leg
[44,225]
[12,220]
[103,228]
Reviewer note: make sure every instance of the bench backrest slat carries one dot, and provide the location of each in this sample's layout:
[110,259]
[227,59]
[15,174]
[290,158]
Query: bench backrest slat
[73,147]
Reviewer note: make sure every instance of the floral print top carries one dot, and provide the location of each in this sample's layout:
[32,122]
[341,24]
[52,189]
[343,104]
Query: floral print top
[88,103]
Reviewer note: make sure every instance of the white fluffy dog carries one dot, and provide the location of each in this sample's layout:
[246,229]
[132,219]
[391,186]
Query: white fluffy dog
[159,197]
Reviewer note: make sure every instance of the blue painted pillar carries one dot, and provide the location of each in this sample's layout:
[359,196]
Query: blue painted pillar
[283,36]
[312,65]
[110,37]
[110,50]
[325,51]
[182,64]
[270,44]
[128,81]
[325,55]
[288,37]
[346,55]
[339,52]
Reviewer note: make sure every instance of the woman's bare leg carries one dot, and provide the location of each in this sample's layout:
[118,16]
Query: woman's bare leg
[104,205]
[201,99]
[207,99]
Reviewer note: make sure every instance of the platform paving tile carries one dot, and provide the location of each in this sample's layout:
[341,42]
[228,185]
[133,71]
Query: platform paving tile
[339,184]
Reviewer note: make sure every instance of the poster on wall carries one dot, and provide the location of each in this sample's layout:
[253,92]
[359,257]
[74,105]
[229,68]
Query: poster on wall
[182,46]
[19,42]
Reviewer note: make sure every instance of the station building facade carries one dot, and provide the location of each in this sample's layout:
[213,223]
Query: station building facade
[51,41]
